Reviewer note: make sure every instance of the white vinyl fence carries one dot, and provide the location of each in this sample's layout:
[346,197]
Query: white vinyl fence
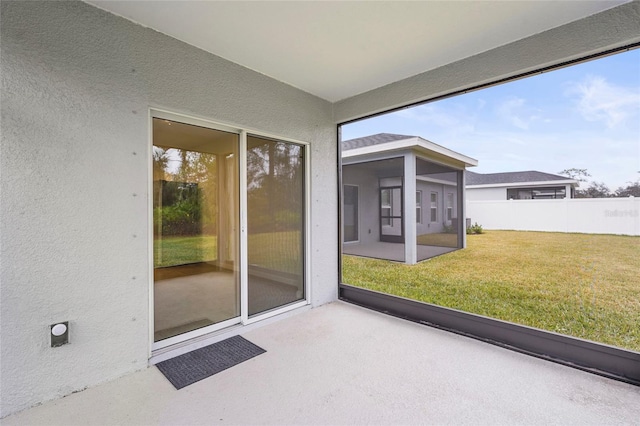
[586,215]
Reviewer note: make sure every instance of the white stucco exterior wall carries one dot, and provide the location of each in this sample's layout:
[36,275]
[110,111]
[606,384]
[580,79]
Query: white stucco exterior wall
[77,85]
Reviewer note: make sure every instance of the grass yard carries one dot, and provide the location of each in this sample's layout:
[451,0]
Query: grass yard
[582,285]
[440,240]
[276,250]
[171,251]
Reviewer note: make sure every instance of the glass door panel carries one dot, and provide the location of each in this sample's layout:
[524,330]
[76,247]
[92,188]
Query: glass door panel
[195,222]
[350,217]
[391,216]
[275,222]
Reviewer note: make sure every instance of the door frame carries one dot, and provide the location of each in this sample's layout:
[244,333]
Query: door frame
[391,238]
[357,215]
[243,318]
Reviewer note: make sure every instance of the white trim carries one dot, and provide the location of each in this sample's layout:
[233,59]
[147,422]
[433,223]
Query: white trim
[150,242]
[431,206]
[189,118]
[419,206]
[196,121]
[440,181]
[447,207]
[307,218]
[244,235]
[382,156]
[540,184]
[409,210]
[357,240]
[276,311]
[232,326]
[208,339]
[412,143]
[183,337]
[181,118]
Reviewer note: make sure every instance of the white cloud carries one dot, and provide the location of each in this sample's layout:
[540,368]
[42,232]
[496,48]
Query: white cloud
[512,111]
[451,120]
[430,114]
[599,100]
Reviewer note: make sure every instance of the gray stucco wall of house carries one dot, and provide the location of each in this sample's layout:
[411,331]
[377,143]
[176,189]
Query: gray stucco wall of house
[77,85]
[426,226]
[368,202]
[612,28]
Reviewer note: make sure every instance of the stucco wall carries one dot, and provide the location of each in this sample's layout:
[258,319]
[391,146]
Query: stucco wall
[77,84]
[368,202]
[428,227]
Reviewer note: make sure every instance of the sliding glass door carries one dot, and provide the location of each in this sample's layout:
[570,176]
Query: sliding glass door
[195,215]
[275,220]
[201,281]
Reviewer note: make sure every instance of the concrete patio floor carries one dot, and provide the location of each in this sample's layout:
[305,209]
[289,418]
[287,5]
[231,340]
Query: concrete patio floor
[342,364]
[392,251]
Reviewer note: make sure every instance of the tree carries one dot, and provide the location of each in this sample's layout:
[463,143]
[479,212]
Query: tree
[631,190]
[160,163]
[580,175]
[595,190]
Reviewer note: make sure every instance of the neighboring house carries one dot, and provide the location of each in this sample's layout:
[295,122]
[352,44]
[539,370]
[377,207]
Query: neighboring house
[390,181]
[98,111]
[529,185]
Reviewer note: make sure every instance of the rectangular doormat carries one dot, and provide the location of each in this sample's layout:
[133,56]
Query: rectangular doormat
[194,366]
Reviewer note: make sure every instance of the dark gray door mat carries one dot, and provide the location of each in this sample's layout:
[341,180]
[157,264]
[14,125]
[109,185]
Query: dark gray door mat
[194,366]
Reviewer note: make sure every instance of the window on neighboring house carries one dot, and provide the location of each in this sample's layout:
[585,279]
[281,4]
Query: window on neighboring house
[547,193]
[386,207]
[449,206]
[434,207]
[419,206]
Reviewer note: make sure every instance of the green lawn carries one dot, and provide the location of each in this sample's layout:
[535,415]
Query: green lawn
[440,240]
[276,250]
[586,286]
[279,251]
[171,251]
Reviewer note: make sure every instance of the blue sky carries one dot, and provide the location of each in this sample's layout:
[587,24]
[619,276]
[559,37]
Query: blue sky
[585,116]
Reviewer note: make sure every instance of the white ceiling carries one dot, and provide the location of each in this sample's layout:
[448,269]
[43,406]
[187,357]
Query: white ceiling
[336,50]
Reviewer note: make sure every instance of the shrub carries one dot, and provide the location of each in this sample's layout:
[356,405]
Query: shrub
[182,218]
[449,229]
[475,229]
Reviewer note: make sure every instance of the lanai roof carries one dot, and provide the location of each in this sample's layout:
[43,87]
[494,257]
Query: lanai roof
[373,140]
[368,145]
[513,177]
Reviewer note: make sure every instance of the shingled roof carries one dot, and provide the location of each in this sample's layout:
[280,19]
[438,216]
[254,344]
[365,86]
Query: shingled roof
[373,140]
[511,177]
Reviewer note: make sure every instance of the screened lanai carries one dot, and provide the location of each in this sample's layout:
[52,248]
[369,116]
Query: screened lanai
[403,198]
